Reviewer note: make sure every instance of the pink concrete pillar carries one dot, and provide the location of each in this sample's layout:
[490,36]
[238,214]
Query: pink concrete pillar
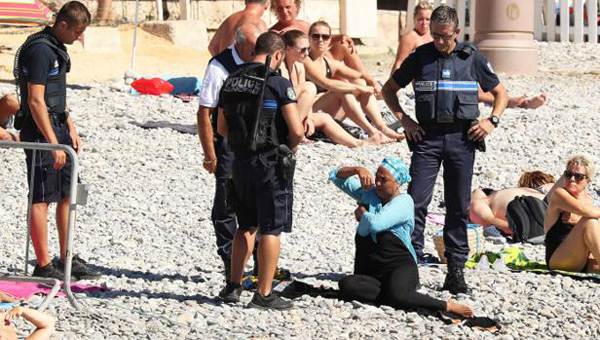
[504,34]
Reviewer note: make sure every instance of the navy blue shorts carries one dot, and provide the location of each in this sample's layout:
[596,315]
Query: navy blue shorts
[263,198]
[49,185]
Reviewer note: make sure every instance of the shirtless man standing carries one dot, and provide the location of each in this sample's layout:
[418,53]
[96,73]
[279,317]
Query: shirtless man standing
[488,206]
[420,35]
[225,34]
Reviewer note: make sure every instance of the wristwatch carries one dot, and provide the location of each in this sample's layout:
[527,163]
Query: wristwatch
[495,120]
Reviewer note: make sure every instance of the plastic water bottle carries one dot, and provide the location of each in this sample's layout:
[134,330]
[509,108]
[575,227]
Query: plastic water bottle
[484,263]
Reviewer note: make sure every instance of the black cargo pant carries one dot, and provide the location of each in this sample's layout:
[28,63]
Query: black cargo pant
[447,145]
[223,214]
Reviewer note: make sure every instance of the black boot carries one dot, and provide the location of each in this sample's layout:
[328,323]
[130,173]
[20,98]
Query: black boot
[455,280]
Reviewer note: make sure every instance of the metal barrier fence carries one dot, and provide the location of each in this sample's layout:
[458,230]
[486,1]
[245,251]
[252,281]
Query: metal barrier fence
[75,193]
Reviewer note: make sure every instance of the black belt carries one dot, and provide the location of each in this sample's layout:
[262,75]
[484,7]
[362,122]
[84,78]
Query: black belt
[446,128]
[58,118]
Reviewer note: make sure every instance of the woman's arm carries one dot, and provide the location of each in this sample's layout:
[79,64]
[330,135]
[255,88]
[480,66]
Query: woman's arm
[396,213]
[43,322]
[313,74]
[345,179]
[562,200]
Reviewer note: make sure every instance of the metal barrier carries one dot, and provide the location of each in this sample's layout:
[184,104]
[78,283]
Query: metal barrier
[73,201]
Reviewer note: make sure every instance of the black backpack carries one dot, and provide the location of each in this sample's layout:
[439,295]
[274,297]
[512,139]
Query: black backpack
[525,215]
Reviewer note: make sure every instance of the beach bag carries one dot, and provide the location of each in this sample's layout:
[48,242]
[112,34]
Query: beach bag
[525,216]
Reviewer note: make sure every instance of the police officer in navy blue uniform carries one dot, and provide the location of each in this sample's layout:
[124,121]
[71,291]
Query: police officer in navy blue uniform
[41,68]
[445,76]
[263,127]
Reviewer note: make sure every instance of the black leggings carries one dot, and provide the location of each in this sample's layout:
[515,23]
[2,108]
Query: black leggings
[397,288]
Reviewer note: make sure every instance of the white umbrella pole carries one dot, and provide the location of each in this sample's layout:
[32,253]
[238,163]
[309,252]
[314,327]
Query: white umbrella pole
[131,70]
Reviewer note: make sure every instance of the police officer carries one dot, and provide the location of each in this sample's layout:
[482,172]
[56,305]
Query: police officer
[41,67]
[258,114]
[218,156]
[446,74]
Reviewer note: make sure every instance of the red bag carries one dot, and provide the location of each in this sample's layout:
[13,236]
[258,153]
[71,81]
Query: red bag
[154,86]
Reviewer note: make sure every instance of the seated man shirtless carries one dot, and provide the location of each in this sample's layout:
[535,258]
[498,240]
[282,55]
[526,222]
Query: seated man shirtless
[420,35]
[225,34]
[341,46]
[488,206]
[8,107]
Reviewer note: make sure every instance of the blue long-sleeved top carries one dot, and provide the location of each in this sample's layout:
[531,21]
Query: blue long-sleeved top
[397,216]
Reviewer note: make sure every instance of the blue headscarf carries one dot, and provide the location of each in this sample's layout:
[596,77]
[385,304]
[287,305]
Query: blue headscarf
[397,168]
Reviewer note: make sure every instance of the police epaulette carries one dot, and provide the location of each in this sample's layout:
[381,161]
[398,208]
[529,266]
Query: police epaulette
[468,48]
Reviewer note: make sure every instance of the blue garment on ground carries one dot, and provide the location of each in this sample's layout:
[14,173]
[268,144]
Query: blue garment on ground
[397,216]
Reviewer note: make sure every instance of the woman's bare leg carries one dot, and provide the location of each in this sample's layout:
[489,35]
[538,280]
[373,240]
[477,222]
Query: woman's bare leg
[333,131]
[369,105]
[306,94]
[573,253]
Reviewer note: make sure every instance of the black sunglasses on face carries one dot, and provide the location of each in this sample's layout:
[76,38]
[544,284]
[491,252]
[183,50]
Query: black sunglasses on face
[578,176]
[443,37]
[302,50]
[316,36]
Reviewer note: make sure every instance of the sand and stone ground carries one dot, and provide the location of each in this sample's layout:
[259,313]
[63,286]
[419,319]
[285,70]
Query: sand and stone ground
[147,223]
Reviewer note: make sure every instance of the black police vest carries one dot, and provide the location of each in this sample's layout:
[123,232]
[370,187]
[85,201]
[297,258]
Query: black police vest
[226,59]
[446,90]
[252,126]
[55,93]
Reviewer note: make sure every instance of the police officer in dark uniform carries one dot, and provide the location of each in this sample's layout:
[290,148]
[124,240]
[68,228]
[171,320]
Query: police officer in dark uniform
[258,114]
[446,74]
[41,68]
[218,156]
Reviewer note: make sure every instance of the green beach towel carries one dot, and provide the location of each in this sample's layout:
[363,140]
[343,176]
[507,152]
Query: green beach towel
[516,260]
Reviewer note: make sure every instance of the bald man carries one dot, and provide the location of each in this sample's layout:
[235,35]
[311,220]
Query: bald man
[225,34]
[218,157]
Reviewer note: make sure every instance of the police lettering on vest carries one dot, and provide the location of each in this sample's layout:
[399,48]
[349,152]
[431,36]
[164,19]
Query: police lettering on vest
[255,125]
[446,86]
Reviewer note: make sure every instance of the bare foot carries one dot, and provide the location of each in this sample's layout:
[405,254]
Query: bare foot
[376,139]
[535,102]
[516,102]
[392,134]
[460,309]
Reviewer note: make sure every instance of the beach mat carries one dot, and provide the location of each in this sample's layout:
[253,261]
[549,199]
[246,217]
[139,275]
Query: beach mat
[25,290]
[191,129]
[516,260]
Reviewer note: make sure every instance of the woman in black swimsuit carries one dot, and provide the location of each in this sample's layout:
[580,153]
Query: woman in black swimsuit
[571,224]
[296,52]
[342,91]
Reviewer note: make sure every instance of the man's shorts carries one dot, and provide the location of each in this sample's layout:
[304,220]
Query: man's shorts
[49,185]
[263,198]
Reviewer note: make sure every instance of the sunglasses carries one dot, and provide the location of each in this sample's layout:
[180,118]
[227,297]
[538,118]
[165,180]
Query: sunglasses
[317,36]
[578,176]
[303,50]
[443,37]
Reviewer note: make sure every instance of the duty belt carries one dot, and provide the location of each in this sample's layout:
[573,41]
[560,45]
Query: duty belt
[449,128]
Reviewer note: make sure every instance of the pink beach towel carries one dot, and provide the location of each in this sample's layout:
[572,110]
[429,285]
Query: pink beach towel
[436,218]
[25,290]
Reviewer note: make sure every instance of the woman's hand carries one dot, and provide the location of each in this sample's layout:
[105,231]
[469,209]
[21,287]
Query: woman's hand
[366,179]
[359,211]
[570,218]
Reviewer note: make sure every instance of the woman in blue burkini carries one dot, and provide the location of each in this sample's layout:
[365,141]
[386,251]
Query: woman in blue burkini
[385,268]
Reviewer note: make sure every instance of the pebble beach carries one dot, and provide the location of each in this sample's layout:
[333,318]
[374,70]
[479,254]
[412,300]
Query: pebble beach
[146,226]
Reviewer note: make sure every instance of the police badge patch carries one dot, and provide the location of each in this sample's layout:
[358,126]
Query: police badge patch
[291,94]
